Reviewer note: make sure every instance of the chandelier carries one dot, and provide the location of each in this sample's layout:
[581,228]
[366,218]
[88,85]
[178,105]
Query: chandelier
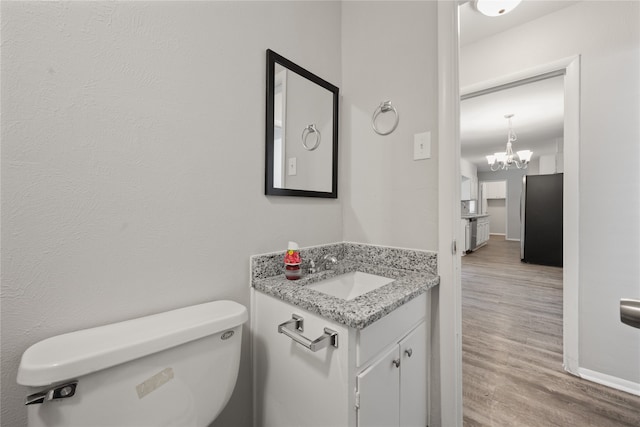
[506,159]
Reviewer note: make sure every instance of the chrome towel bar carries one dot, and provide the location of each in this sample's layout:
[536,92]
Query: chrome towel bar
[293,327]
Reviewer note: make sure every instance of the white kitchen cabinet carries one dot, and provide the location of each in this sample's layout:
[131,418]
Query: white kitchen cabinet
[465,188]
[483,230]
[473,183]
[469,188]
[495,189]
[356,384]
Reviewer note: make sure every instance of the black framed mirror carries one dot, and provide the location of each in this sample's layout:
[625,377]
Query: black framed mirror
[301,131]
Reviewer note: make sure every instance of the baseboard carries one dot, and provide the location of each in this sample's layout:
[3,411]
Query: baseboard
[610,381]
[497,234]
[512,240]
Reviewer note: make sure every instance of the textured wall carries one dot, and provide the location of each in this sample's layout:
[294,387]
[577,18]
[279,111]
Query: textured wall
[133,163]
[389,55]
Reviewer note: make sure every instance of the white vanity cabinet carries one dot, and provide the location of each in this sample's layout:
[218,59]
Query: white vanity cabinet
[393,390]
[377,376]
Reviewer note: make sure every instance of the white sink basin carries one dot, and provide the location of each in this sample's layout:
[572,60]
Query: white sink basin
[350,285]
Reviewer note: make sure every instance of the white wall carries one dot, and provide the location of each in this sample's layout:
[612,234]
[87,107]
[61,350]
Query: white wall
[607,36]
[389,53]
[513,177]
[497,210]
[133,163]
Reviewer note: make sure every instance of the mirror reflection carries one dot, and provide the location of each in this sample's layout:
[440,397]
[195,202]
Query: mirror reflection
[302,131]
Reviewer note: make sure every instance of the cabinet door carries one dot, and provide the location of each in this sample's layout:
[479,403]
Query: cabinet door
[502,190]
[482,232]
[379,391]
[414,391]
[465,189]
[467,237]
[496,190]
[490,192]
[474,188]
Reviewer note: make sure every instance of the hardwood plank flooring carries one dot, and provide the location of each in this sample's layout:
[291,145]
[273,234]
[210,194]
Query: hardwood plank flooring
[512,349]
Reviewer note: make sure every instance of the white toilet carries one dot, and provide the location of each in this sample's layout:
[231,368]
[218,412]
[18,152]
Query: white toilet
[177,368]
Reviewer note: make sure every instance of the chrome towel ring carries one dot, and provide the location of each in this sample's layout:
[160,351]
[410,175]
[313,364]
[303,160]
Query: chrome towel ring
[311,129]
[385,107]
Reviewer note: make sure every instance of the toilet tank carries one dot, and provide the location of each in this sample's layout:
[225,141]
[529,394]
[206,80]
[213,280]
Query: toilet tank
[176,368]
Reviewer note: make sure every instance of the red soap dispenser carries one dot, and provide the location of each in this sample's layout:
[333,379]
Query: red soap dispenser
[292,261]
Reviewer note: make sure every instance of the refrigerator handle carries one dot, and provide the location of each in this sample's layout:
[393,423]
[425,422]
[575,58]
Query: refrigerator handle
[523,199]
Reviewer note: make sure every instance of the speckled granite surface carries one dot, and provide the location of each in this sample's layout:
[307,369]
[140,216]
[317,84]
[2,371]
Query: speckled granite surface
[414,273]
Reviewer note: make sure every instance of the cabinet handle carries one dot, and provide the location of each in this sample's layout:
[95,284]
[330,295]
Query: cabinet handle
[396,363]
[409,352]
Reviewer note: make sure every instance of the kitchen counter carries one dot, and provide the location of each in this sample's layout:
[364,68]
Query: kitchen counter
[469,216]
[414,273]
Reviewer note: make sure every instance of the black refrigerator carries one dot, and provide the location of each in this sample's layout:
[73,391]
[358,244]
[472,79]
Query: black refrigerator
[541,220]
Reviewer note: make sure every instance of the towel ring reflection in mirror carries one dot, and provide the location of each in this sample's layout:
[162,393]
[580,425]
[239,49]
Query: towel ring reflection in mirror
[311,129]
[385,107]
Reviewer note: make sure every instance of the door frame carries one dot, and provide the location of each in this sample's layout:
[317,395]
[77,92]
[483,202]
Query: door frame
[449,320]
[449,191]
[570,67]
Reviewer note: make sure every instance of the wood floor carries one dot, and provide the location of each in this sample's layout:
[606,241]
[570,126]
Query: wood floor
[512,349]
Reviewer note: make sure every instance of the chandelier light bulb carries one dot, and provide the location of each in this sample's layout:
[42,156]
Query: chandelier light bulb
[525,155]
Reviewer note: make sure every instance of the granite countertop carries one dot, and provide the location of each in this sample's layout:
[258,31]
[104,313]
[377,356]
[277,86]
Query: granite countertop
[359,312]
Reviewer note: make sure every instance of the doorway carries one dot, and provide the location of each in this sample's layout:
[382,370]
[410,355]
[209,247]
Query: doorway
[568,70]
[492,199]
[505,291]
[449,207]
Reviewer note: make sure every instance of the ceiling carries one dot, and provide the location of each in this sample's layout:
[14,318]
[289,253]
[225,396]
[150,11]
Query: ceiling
[475,26]
[538,120]
[538,107]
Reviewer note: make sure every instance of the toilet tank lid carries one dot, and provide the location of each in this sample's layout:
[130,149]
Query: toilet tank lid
[72,355]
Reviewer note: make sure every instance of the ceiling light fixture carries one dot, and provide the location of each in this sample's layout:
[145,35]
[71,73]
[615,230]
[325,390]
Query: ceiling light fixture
[506,159]
[496,7]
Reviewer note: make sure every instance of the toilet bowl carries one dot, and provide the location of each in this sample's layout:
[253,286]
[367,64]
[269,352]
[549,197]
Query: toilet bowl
[176,368]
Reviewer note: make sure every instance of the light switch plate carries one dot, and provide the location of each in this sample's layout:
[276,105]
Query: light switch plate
[292,169]
[422,146]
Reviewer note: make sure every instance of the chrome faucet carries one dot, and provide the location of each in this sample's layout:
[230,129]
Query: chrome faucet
[324,263]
